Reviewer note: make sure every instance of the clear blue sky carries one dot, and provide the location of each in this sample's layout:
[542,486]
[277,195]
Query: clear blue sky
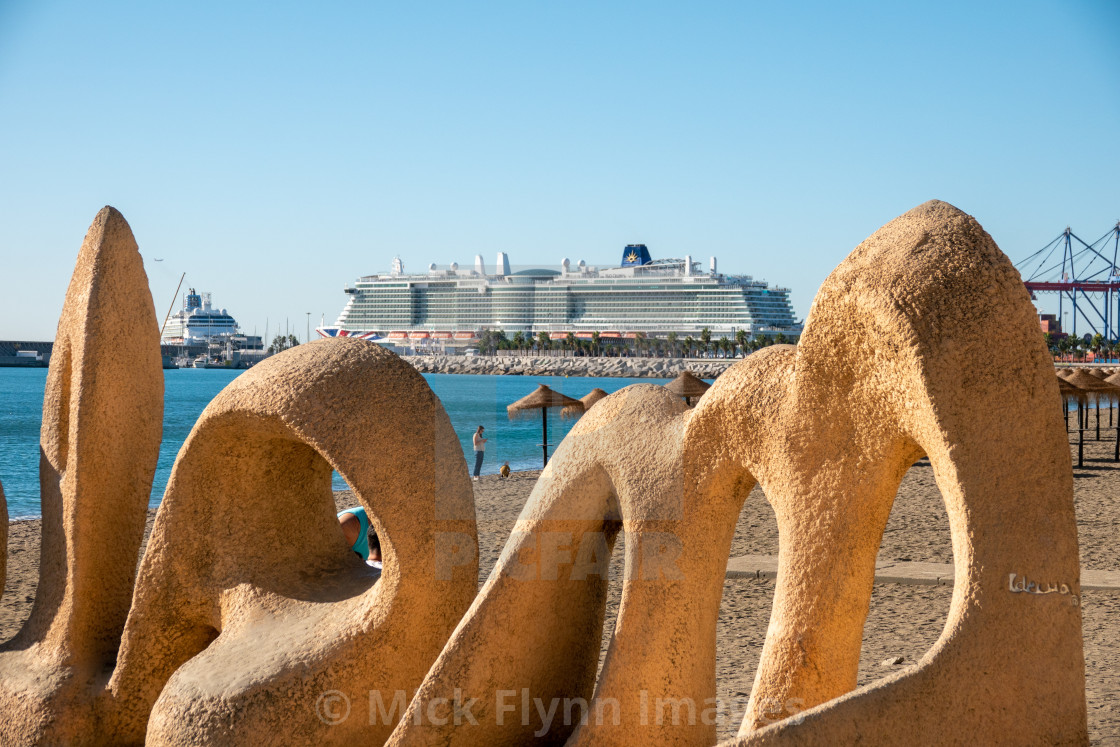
[274,151]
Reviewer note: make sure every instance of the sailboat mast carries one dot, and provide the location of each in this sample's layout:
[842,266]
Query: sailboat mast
[172,306]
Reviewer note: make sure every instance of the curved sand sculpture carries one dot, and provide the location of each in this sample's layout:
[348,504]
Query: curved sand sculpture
[250,611]
[102,420]
[249,605]
[535,629]
[922,342]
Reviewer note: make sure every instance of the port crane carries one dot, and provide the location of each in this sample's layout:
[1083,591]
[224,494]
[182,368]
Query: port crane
[1086,277]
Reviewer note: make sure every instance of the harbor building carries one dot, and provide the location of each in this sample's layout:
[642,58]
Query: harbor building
[641,296]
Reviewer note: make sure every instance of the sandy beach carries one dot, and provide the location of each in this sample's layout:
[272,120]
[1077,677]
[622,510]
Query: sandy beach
[904,620]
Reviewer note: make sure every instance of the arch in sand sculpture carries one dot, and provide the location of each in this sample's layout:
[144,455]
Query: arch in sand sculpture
[102,420]
[922,341]
[251,616]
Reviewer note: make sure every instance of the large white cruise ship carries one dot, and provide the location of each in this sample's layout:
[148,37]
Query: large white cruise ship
[640,297]
[199,322]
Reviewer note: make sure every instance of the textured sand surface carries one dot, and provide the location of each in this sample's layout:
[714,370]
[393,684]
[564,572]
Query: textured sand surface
[904,620]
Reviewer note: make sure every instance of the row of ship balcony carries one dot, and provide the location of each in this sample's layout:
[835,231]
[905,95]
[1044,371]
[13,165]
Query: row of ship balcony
[467,337]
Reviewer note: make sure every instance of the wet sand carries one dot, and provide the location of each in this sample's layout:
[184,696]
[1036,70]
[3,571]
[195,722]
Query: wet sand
[904,620]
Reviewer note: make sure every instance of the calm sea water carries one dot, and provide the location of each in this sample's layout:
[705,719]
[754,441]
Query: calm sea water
[470,401]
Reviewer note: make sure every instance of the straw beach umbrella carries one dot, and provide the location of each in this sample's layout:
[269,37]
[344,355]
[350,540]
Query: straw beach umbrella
[542,399]
[1070,391]
[687,385]
[1094,389]
[588,400]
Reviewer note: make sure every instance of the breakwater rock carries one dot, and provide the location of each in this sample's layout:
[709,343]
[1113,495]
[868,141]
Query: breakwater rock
[655,368]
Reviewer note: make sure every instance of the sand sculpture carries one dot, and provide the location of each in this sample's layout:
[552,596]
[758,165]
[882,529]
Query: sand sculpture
[923,341]
[897,359]
[250,616]
[535,627]
[246,548]
[102,420]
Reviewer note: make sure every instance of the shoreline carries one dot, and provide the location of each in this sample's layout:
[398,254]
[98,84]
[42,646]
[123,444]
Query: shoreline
[527,365]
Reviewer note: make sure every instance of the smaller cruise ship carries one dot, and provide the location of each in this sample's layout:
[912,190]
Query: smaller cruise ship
[199,322]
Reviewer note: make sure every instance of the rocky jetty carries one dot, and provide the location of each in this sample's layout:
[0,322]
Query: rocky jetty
[654,368]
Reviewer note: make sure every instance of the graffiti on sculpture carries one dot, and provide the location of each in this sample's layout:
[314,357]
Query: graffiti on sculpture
[1023,586]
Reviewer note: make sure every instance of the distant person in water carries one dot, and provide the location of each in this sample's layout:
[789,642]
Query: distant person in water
[479,450]
[504,471]
[356,529]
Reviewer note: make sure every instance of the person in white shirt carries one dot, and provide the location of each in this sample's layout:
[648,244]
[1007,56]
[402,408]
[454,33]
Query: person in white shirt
[479,450]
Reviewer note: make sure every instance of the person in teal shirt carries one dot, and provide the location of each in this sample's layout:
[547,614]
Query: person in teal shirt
[355,526]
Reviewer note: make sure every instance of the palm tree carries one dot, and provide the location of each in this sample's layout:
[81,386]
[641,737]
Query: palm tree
[688,343]
[282,343]
[519,341]
[544,342]
[706,338]
[671,338]
[1064,346]
[780,339]
[570,341]
[595,342]
[741,340]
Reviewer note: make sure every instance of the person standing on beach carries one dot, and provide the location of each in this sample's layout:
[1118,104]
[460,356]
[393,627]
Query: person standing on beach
[479,450]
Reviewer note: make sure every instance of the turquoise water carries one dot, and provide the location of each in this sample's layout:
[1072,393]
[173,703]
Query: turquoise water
[470,401]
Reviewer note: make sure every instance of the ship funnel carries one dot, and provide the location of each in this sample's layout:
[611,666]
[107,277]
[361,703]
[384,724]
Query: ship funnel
[713,265]
[503,264]
[688,264]
[479,265]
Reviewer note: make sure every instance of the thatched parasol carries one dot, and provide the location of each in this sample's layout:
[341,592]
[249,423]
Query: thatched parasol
[1069,390]
[1100,373]
[1095,389]
[542,399]
[687,385]
[587,400]
[1065,373]
[1084,380]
